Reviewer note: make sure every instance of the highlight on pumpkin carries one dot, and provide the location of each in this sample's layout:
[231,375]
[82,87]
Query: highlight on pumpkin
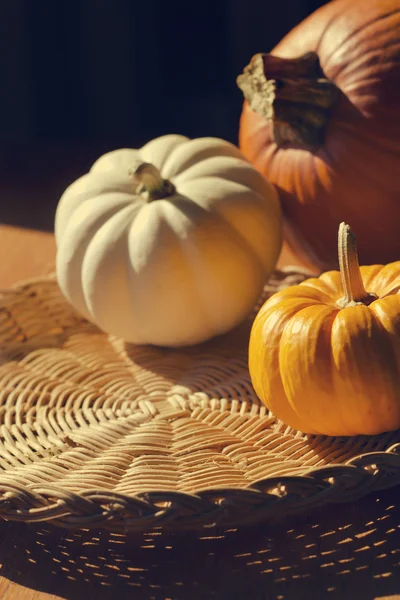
[324,356]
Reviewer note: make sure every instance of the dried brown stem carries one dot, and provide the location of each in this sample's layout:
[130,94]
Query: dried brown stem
[293,93]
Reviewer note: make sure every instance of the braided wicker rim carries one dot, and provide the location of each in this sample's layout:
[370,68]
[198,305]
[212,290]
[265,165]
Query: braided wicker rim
[98,433]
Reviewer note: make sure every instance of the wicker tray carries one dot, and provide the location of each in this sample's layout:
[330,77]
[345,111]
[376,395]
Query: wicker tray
[98,433]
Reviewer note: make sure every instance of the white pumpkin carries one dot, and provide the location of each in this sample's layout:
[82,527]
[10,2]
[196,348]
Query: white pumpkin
[170,244]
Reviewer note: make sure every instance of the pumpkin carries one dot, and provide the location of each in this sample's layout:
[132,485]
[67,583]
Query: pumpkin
[324,355]
[321,121]
[169,244]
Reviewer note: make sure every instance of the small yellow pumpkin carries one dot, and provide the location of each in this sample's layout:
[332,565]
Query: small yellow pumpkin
[324,356]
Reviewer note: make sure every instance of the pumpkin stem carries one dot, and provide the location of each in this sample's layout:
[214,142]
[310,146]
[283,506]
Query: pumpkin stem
[150,183]
[353,286]
[292,93]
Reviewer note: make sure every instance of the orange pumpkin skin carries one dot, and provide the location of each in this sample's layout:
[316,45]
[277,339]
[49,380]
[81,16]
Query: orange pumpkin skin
[354,175]
[327,370]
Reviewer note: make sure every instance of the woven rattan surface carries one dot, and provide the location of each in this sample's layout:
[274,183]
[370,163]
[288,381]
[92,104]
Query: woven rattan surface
[95,432]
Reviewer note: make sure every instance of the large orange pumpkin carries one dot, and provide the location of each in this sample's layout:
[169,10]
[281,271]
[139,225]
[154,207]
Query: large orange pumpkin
[325,128]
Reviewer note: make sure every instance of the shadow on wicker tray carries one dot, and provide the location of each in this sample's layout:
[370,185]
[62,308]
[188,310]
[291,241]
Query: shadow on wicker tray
[344,554]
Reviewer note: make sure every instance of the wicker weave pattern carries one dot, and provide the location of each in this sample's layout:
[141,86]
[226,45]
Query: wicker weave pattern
[94,432]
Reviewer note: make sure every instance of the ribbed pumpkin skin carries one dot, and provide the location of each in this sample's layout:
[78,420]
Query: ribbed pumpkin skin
[354,176]
[176,270]
[326,370]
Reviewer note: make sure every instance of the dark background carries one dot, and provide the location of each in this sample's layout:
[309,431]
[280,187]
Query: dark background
[81,77]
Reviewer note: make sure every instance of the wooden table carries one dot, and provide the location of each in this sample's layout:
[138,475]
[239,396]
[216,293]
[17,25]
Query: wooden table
[340,552]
